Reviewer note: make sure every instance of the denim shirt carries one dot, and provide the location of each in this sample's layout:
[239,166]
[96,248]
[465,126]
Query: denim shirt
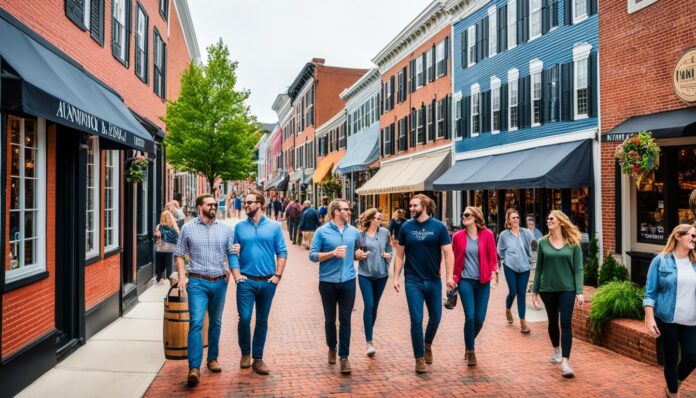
[326,239]
[661,287]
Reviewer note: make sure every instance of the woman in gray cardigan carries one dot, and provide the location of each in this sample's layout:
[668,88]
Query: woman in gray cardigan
[374,254]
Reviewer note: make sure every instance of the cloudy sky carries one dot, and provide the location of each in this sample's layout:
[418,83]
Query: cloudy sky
[274,39]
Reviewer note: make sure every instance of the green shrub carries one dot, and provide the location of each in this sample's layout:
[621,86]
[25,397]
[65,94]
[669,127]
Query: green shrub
[592,263]
[611,271]
[618,299]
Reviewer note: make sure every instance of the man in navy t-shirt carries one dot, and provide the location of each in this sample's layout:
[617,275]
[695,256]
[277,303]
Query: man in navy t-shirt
[423,240]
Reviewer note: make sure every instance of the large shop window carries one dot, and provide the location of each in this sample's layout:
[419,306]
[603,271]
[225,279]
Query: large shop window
[92,211]
[111,200]
[27,207]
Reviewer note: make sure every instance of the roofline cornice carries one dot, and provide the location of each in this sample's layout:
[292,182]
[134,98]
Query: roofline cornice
[368,78]
[186,21]
[301,79]
[460,9]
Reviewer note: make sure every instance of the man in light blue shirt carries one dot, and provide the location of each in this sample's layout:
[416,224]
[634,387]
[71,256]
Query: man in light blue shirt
[257,271]
[333,247]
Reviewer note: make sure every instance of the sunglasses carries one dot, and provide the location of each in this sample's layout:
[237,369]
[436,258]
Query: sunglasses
[345,209]
[693,236]
[211,204]
[466,215]
[514,218]
[251,202]
[550,218]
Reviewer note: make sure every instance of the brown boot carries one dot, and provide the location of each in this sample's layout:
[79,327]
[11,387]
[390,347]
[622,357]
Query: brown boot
[428,353]
[332,356]
[194,376]
[260,367]
[245,362]
[470,357]
[524,329]
[508,316]
[420,365]
[214,366]
[345,366]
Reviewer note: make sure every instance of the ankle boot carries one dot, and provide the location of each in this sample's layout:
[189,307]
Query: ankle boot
[470,357]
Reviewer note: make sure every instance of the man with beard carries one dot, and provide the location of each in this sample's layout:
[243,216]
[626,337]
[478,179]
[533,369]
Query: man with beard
[206,241]
[257,271]
[333,247]
[424,240]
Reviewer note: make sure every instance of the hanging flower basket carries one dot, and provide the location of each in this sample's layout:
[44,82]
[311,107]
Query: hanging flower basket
[638,155]
[136,172]
[332,186]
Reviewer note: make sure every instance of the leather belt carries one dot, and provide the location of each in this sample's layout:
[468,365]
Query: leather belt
[259,278]
[206,277]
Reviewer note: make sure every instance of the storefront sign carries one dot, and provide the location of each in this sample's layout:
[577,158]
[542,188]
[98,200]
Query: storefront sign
[615,137]
[684,77]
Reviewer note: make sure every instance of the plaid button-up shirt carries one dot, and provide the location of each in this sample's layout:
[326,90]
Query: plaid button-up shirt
[206,245]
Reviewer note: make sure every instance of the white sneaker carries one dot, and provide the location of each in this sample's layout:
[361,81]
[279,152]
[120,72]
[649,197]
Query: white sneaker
[556,358]
[566,371]
[371,350]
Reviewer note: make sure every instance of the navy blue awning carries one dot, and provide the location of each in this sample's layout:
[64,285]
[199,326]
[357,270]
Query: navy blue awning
[676,123]
[567,165]
[363,149]
[50,87]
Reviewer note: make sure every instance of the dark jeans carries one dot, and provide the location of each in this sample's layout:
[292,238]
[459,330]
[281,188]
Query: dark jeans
[371,290]
[343,295]
[563,303]
[249,293]
[417,293]
[163,261]
[293,227]
[517,286]
[202,294]
[675,337]
[474,296]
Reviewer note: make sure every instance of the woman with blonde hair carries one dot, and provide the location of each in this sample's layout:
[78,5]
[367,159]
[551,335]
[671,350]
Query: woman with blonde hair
[559,281]
[167,234]
[670,305]
[375,253]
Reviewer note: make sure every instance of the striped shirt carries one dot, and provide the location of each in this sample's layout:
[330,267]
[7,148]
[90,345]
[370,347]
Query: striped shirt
[207,246]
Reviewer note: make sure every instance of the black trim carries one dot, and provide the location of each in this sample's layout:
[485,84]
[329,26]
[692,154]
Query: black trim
[164,13]
[72,11]
[102,315]
[112,252]
[618,220]
[139,7]
[25,281]
[96,30]
[3,186]
[90,261]
[22,368]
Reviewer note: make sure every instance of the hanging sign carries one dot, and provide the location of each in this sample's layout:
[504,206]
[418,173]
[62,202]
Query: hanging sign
[684,76]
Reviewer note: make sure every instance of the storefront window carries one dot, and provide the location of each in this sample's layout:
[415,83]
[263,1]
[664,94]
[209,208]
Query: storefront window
[111,199]
[579,212]
[686,180]
[492,219]
[650,201]
[532,204]
[92,219]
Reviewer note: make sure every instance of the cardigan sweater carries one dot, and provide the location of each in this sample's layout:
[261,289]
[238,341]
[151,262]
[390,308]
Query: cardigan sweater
[488,254]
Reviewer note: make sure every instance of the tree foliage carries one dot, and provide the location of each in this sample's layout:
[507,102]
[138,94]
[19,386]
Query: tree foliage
[210,129]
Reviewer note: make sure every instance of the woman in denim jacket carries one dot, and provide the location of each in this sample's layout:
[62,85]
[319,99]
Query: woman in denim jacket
[670,305]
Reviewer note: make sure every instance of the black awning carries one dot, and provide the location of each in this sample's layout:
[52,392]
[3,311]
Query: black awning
[50,87]
[567,165]
[679,123]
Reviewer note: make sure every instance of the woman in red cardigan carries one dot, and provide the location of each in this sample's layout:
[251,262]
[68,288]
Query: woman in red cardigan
[475,265]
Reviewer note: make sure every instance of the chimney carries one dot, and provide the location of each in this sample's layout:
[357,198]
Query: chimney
[318,61]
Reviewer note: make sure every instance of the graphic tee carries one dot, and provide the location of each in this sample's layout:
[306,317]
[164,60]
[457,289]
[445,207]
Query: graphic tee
[423,247]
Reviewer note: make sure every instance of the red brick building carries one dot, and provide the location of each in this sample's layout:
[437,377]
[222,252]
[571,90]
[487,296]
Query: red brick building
[83,88]
[647,70]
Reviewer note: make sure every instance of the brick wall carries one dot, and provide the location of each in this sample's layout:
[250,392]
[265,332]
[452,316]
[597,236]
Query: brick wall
[102,280]
[637,56]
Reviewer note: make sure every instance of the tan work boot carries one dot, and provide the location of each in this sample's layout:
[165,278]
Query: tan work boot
[508,316]
[332,356]
[345,366]
[524,329]
[428,353]
[260,367]
[245,362]
[214,366]
[194,376]
[420,365]
[470,357]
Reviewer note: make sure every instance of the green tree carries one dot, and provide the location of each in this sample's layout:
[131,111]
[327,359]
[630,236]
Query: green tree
[210,130]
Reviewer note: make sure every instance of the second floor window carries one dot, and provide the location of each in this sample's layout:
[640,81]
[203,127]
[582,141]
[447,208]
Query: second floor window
[429,62]
[141,45]
[309,106]
[441,60]
[421,126]
[536,99]
[475,111]
[458,117]
[119,30]
[440,118]
[420,76]
[581,92]
[160,65]
[492,32]
[495,109]
[513,123]
[512,24]
[535,19]
[579,10]
[471,43]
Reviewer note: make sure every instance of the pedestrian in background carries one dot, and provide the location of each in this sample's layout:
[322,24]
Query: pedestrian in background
[423,241]
[277,209]
[333,247]
[207,242]
[167,234]
[559,282]
[238,205]
[309,222]
[323,210]
[670,305]
[222,203]
[515,250]
[374,254]
[476,265]
[531,225]
[398,218]
[292,215]
[257,270]
[179,214]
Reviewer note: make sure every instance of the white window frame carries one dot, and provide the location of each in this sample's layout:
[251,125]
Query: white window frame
[87,14]
[12,275]
[492,32]
[535,18]
[420,76]
[440,116]
[457,100]
[440,53]
[637,5]
[577,18]
[512,24]
[430,64]
[495,97]
[513,82]
[118,12]
[141,30]
[471,45]
[388,99]
[96,210]
[535,68]
[581,54]
[115,216]
[475,105]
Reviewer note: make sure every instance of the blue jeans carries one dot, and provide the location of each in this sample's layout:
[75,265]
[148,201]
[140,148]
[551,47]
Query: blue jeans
[293,229]
[204,294]
[474,296]
[417,293]
[343,295]
[248,293]
[371,290]
[517,286]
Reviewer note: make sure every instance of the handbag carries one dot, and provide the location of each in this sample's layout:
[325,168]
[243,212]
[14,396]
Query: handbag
[451,300]
[164,247]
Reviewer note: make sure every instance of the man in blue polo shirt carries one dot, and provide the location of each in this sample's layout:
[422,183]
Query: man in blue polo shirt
[257,271]
[333,247]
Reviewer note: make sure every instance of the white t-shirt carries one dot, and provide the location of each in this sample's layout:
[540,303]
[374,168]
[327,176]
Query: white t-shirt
[685,310]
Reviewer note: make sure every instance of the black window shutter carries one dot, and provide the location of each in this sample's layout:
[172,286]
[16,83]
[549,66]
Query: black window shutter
[381,147]
[433,119]
[502,28]
[485,28]
[466,110]
[465,50]
[520,21]
[391,93]
[554,13]
[528,103]
[545,17]
[412,76]
[546,95]
[484,111]
[478,49]
[382,103]
[525,22]
[567,91]
[128,37]
[75,11]
[568,12]
[523,102]
[425,68]
[557,78]
[447,49]
[96,23]
[412,129]
[592,83]
[448,113]
[503,107]
[433,72]
[591,7]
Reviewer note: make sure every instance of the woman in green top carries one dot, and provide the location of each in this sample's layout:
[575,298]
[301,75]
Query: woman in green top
[559,279]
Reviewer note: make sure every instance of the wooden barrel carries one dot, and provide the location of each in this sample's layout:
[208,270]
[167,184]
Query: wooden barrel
[175,326]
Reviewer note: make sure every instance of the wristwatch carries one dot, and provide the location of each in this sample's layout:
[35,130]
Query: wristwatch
[279,276]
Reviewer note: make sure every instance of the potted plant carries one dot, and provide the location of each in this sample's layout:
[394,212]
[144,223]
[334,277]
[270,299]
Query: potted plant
[135,173]
[332,186]
[638,155]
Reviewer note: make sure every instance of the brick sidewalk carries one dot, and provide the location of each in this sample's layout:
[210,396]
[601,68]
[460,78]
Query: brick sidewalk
[510,364]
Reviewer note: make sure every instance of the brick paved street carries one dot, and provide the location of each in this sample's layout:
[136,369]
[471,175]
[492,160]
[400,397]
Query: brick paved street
[510,364]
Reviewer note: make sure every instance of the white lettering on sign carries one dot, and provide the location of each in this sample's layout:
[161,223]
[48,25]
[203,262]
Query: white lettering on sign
[77,116]
[139,142]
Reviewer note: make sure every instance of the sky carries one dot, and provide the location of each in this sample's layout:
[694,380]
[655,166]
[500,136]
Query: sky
[273,39]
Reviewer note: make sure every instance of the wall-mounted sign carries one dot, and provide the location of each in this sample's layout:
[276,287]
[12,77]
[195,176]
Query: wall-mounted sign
[684,76]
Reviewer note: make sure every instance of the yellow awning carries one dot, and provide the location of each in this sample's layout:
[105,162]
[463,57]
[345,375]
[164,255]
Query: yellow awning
[411,174]
[326,165]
